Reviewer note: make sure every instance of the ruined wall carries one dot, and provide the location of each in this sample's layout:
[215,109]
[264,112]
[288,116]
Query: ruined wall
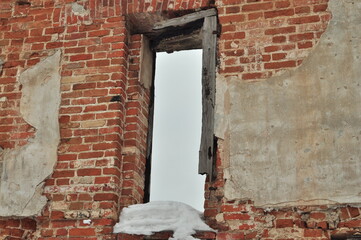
[85,180]
[289,156]
[100,156]
[25,168]
[272,55]
[296,137]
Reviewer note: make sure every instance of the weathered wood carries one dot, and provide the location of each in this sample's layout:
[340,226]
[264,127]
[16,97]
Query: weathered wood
[179,42]
[150,80]
[207,148]
[143,23]
[176,22]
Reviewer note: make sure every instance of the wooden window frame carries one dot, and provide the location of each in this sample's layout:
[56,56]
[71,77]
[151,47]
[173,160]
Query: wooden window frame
[197,30]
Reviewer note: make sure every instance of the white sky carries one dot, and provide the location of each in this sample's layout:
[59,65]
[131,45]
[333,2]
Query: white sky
[177,129]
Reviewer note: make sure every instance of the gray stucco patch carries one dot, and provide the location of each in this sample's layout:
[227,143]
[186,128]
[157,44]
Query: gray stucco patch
[79,10]
[25,168]
[295,139]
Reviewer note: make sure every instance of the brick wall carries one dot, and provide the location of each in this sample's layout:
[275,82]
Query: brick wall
[17,228]
[104,109]
[262,38]
[242,220]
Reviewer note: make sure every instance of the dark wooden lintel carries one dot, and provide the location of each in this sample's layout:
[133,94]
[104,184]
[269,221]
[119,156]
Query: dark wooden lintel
[179,42]
[180,21]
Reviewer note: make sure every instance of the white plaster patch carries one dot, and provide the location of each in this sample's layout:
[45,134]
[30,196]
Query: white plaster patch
[295,138]
[25,168]
[79,10]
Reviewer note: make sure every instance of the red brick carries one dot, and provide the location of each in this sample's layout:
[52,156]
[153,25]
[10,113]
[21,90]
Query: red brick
[257,6]
[54,30]
[320,8]
[323,225]
[84,86]
[16,34]
[28,224]
[74,50]
[303,20]
[85,197]
[279,13]
[231,18]
[255,15]
[279,39]
[279,56]
[64,181]
[278,65]
[89,172]
[62,174]
[317,215]
[351,224]
[113,39]
[57,215]
[80,57]
[308,2]
[236,216]
[233,9]
[233,36]
[302,45]
[63,223]
[95,93]
[88,155]
[104,146]
[13,223]
[301,37]
[81,232]
[38,39]
[283,223]
[354,211]
[313,233]
[61,232]
[283,4]
[102,180]
[281,30]
[105,197]
[98,33]
[98,63]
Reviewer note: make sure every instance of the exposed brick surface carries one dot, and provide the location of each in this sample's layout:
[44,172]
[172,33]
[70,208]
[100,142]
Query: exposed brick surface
[17,228]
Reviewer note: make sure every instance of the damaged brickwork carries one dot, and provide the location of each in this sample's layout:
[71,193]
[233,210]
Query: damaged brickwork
[287,70]
[25,168]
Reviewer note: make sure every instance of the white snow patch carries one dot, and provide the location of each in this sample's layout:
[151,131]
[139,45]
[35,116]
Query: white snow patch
[87,221]
[148,218]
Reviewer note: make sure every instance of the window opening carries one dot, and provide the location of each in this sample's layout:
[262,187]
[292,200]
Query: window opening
[196,30]
[177,129]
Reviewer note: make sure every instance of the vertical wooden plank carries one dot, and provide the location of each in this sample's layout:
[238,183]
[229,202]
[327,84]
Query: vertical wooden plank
[147,74]
[207,148]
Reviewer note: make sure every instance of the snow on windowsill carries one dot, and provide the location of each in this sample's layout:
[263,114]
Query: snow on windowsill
[152,217]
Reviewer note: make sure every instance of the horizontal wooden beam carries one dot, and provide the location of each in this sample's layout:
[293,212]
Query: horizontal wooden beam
[176,22]
[180,42]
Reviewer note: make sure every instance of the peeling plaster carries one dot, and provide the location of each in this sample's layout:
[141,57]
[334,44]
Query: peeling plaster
[25,168]
[79,10]
[83,14]
[295,139]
